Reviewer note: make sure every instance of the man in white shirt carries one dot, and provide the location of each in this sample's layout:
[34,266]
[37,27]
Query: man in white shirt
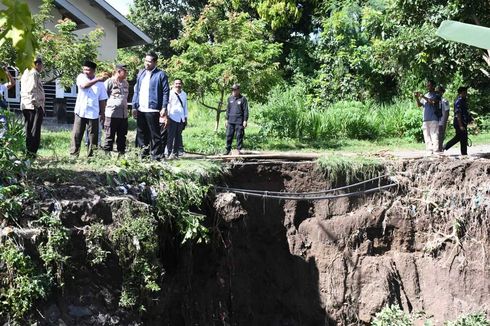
[176,118]
[89,108]
[32,100]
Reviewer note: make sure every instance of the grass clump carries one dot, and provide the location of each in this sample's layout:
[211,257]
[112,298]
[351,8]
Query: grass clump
[337,167]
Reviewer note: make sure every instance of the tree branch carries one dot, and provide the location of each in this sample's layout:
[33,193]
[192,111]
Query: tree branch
[208,106]
[53,79]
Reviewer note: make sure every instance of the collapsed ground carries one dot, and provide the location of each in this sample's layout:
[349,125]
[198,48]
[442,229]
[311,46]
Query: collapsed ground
[422,245]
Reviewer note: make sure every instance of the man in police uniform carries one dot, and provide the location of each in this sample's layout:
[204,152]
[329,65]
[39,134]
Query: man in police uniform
[462,118]
[236,118]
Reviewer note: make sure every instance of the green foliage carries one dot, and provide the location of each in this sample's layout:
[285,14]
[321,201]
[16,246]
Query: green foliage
[21,283]
[95,240]
[63,51]
[222,47]
[291,113]
[13,193]
[475,319]
[136,234]
[135,242]
[278,12]
[53,249]
[392,316]
[382,49]
[12,146]
[174,191]
[17,28]
[162,22]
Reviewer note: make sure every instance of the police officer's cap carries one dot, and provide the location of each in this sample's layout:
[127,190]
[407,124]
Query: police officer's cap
[235,86]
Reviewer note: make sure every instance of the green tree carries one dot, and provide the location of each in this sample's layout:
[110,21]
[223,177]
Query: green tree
[387,48]
[222,47]
[161,20]
[17,42]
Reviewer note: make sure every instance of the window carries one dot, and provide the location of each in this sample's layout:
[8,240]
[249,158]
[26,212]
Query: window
[14,93]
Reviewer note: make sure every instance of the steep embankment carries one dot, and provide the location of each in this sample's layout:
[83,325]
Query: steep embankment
[422,245]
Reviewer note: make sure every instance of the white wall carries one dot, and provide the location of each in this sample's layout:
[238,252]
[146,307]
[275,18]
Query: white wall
[108,47]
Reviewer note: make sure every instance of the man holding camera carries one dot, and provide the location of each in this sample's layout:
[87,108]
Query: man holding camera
[430,126]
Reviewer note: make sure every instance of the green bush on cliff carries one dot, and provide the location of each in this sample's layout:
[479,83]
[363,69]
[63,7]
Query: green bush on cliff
[475,319]
[392,316]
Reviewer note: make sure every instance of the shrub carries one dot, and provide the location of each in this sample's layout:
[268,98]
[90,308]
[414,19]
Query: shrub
[475,319]
[392,316]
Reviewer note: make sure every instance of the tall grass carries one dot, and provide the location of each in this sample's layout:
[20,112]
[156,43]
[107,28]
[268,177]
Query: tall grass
[288,113]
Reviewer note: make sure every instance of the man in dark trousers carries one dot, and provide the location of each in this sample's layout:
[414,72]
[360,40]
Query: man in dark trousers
[32,105]
[150,102]
[462,118]
[236,119]
[89,108]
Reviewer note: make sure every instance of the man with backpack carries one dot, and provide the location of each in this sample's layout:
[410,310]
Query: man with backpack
[432,113]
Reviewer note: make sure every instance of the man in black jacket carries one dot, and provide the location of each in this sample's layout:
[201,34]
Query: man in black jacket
[236,118]
[462,118]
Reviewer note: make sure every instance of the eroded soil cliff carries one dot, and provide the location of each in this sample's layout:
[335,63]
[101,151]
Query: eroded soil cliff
[423,245]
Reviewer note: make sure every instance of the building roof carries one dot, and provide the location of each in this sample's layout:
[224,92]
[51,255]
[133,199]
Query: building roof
[70,11]
[127,34]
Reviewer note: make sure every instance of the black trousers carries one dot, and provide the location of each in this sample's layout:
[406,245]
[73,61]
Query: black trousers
[174,142]
[461,137]
[77,134]
[441,135]
[33,121]
[234,129]
[115,129]
[148,134]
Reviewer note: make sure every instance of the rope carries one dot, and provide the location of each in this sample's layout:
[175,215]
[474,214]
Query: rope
[301,193]
[350,194]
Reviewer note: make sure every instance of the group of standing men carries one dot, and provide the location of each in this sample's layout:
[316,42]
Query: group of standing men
[436,114]
[161,112]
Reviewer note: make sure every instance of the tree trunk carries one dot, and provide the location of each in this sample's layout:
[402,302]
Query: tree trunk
[220,109]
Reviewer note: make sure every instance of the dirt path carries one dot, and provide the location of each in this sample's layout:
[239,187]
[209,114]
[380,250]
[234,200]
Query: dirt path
[477,151]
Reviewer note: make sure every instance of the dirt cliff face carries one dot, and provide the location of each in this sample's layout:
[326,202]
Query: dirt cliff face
[423,245]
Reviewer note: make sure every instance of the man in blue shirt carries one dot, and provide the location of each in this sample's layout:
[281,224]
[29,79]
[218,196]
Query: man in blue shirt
[462,118]
[150,101]
[430,126]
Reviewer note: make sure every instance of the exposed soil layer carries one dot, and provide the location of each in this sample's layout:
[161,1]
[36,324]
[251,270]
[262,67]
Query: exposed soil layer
[423,246]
